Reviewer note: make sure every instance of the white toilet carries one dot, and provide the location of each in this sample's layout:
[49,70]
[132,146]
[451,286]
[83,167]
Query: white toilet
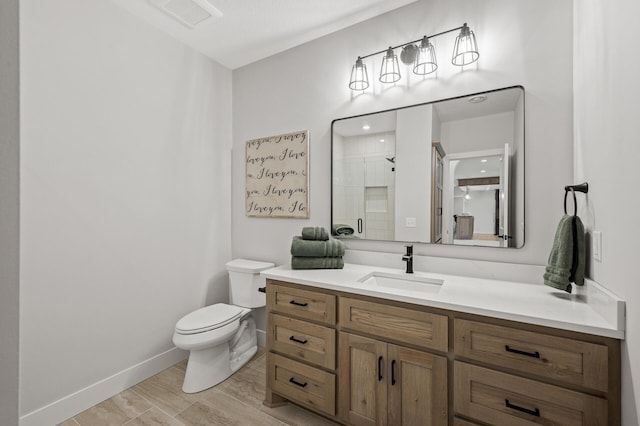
[222,337]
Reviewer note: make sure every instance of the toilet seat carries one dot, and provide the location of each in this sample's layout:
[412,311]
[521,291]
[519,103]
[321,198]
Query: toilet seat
[208,318]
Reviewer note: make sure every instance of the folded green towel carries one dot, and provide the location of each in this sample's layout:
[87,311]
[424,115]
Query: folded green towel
[317,262]
[346,237]
[567,259]
[312,248]
[315,233]
[341,229]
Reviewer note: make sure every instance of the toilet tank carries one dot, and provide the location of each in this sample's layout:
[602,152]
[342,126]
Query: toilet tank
[244,282]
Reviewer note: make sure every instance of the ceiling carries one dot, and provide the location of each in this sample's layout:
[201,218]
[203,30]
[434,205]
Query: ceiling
[250,30]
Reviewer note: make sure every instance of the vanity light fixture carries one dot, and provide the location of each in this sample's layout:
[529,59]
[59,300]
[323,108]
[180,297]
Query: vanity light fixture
[390,70]
[359,77]
[365,126]
[426,58]
[423,58]
[465,51]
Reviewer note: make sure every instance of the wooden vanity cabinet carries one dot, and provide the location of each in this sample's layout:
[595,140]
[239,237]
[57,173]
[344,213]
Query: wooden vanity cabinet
[366,361]
[393,323]
[402,386]
[507,375]
[385,384]
[301,343]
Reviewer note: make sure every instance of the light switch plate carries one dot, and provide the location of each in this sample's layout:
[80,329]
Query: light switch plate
[410,222]
[596,245]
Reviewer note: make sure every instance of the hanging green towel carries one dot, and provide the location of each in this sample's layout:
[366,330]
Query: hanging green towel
[316,262]
[315,233]
[567,259]
[311,248]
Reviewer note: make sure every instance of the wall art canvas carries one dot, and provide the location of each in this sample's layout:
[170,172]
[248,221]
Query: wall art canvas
[277,176]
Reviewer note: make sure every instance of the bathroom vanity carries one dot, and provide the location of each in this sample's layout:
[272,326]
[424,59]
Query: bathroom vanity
[374,346]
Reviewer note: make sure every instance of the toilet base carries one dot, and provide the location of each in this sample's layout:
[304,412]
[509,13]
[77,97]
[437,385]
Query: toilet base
[206,368]
[209,366]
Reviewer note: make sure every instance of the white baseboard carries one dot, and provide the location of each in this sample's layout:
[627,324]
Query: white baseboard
[79,401]
[261,335]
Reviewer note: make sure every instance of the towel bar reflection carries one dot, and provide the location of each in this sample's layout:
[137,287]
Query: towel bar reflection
[582,187]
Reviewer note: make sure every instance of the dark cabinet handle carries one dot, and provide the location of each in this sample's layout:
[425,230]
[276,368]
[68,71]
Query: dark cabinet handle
[262,289]
[534,412]
[519,352]
[393,372]
[297,340]
[302,385]
[293,302]
[379,368]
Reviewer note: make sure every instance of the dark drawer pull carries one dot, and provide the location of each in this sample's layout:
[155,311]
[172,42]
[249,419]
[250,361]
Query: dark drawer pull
[302,385]
[393,372]
[519,352]
[298,340]
[535,412]
[293,302]
[379,368]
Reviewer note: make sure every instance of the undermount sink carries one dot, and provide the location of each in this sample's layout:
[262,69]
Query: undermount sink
[390,280]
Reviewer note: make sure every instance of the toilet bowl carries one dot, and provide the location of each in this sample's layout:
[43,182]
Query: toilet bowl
[221,338]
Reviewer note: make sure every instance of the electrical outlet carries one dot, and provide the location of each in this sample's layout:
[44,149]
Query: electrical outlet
[410,222]
[596,245]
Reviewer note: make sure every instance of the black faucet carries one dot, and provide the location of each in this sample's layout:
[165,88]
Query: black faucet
[408,257]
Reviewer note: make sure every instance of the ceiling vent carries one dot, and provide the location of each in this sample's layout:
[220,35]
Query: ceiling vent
[190,13]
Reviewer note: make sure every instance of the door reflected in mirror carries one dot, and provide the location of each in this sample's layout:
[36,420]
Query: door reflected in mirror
[445,172]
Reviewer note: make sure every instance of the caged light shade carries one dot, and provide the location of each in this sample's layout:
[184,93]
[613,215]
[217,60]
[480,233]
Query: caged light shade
[465,50]
[390,70]
[359,77]
[425,59]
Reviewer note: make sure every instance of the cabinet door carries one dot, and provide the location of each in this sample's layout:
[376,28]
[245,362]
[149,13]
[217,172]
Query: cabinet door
[417,387]
[362,380]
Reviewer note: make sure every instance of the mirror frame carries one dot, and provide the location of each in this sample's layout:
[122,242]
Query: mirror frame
[524,199]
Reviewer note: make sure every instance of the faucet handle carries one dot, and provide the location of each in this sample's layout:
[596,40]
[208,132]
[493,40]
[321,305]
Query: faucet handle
[409,249]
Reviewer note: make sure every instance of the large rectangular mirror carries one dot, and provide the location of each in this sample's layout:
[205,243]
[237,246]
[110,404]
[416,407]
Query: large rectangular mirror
[444,172]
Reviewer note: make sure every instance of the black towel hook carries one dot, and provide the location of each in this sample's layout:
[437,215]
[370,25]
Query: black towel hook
[583,187]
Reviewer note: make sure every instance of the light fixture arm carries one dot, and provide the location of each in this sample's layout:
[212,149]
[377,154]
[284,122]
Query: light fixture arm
[412,42]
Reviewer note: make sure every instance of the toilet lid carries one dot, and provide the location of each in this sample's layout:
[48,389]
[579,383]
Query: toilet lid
[208,318]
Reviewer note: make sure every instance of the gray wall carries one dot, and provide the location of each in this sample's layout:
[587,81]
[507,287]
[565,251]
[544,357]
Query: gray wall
[607,149]
[526,42]
[125,181]
[9,211]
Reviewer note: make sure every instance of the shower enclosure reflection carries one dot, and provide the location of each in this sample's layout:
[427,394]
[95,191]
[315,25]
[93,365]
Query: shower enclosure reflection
[447,172]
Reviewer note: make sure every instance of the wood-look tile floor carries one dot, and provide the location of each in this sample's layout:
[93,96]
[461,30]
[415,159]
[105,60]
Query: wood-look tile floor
[159,401]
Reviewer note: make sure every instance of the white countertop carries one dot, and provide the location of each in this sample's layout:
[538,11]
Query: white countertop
[590,309]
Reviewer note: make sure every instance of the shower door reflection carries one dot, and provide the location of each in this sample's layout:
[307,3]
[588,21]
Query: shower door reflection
[364,184]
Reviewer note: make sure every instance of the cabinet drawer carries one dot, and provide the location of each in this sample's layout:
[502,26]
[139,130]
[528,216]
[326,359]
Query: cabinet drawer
[502,399]
[302,340]
[306,304]
[567,360]
[298,382]
[394,323]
